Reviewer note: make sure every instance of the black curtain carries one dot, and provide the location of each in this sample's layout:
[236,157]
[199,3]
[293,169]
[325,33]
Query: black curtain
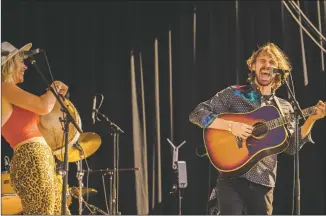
[88,44]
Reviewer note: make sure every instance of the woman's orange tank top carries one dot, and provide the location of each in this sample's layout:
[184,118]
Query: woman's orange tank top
[21,125]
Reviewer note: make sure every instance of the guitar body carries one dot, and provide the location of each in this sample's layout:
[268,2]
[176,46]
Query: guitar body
[234,157]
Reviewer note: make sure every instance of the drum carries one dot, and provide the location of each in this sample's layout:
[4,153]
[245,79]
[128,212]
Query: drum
[52,128]
[10,201]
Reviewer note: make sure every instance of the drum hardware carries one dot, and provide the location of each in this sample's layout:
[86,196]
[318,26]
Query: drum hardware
[7,163]
[87,144]
[67,119]
[93,209]
[110,172]
[73,192]
[10,201]
[51,127]
[80,147]
[80,175]
[90,191]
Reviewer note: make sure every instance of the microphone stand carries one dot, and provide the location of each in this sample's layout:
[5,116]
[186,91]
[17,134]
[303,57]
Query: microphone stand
[180,184]
[67,119]
[110,173]
[297,114]
[114,190]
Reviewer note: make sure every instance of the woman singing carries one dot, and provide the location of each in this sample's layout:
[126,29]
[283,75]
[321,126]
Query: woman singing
[32,169]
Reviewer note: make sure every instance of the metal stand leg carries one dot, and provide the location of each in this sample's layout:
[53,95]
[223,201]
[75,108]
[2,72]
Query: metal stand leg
[80,175]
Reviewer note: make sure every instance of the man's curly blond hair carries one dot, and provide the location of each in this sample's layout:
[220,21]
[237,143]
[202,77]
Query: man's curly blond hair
[279,57]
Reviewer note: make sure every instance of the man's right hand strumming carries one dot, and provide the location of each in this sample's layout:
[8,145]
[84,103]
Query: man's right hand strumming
[241,130]
[236,128]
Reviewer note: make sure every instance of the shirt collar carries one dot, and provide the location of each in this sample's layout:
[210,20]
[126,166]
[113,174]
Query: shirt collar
[255,87]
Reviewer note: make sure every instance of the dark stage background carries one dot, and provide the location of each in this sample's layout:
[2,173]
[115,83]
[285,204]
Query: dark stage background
[88,44]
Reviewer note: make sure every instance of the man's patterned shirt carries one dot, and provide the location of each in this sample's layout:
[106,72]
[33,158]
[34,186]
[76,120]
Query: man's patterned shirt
[241,99]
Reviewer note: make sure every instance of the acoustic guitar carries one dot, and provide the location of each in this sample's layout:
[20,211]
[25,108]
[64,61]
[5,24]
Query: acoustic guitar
[233,156]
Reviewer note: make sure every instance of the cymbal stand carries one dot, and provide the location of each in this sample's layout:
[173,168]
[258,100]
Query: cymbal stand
[80,175]
[181,170]
[110,172]
[116,130]
[111,198]
[94,208]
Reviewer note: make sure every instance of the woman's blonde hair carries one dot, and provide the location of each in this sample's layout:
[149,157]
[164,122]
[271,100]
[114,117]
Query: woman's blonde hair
[278,55]
[8,68]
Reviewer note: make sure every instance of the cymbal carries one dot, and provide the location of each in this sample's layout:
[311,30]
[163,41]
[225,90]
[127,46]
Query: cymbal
[89,142]
[75,191]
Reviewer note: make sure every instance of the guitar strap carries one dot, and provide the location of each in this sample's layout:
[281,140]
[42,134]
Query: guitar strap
[278,105]
[277,102]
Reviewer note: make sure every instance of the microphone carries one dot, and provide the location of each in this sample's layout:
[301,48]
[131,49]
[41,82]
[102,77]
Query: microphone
[94,109]
[278,71]
[32,52]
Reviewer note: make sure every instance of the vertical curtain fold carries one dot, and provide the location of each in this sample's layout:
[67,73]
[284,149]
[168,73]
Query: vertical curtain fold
[158,122]
[139,140]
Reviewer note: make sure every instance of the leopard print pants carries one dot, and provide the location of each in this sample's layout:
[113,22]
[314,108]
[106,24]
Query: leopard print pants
[34,179]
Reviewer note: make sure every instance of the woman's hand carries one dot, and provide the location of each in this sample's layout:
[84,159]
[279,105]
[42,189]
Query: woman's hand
[60,87]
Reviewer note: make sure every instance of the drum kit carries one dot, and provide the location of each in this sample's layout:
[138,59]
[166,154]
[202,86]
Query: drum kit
[80,146]
[10,201]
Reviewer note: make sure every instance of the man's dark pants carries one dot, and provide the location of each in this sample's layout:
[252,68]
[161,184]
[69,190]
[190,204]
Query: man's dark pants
[238,196]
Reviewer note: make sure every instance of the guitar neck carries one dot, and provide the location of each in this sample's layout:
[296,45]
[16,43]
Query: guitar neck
[275,123]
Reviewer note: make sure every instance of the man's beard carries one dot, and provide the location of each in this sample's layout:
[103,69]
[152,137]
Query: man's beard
[264,83]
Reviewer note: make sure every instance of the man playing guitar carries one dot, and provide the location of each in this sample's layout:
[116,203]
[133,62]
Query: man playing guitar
[252,191]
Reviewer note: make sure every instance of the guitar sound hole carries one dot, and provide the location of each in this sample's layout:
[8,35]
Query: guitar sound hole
[260,129]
